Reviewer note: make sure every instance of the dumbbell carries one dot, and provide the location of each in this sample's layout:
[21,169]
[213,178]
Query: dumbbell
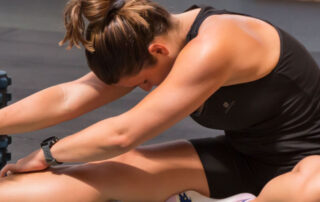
[5,81]
[5,141]
[4,155]
[5,97]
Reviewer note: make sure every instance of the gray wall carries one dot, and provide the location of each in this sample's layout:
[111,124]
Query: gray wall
[299,18]
[302,19]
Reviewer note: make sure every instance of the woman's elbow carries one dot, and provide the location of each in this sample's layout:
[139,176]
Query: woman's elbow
[118,138]
[125,143]
[309,170]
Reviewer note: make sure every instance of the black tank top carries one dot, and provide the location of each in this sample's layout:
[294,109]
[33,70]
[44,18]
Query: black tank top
[275,118]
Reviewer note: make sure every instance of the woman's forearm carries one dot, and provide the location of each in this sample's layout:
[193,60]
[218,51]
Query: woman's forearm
[98,142]
[57,104]
[37,111]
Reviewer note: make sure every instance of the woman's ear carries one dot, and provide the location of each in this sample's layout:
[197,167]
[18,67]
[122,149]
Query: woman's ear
[158,48]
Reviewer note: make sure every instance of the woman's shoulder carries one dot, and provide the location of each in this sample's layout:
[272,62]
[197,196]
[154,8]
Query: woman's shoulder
[229,33]
[244,42]
[214,47]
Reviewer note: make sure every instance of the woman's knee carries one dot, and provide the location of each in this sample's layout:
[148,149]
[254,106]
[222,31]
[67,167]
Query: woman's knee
[307,165]
[308,170]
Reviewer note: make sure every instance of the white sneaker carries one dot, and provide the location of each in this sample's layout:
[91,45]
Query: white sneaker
[192,196]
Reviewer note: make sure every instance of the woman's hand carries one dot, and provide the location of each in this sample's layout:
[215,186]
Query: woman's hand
[33,162]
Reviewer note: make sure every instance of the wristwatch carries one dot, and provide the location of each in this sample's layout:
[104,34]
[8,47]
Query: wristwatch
[45,146]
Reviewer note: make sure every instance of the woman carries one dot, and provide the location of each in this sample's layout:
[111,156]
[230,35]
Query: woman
[229,71]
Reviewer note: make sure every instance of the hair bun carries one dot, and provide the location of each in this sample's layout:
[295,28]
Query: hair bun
[116,6]
[75,25]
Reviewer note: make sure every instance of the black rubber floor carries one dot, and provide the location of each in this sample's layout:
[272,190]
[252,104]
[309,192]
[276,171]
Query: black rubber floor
[30,31]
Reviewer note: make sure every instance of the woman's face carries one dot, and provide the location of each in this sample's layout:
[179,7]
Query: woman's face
[165,54]
[148,77]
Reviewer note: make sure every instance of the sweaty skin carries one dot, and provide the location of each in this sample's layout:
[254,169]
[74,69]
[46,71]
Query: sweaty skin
[222,60]
[302,184]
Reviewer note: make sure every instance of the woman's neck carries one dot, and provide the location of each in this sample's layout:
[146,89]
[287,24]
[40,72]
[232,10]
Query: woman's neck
[176,37]
[182,24]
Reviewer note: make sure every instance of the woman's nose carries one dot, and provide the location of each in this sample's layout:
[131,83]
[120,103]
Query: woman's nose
[146,86]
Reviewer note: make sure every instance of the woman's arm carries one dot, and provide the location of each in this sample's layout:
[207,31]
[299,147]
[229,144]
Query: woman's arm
[201,68]
[191,81]
[57,104]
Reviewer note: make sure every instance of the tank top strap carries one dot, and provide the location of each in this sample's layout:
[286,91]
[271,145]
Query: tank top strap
[205,11]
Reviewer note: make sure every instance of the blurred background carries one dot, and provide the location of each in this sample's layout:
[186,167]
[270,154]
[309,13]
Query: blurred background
[31,29]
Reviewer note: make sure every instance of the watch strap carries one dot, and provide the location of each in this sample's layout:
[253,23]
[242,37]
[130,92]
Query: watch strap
[48,156]
[46,146]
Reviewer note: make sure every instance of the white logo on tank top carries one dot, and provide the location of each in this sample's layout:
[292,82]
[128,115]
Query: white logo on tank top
[228,106]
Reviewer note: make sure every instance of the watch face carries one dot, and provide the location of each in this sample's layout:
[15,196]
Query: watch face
[43,144]
[49,141]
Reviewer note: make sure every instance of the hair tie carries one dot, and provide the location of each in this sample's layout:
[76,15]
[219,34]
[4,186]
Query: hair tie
[117,5]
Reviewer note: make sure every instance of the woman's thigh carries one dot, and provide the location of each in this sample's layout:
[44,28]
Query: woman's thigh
[149,173]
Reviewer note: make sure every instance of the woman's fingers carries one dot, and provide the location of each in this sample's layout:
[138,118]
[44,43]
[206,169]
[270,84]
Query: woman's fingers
[8,170]
[33,162]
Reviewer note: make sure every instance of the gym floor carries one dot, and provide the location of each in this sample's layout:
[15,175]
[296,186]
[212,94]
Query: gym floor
[31,29]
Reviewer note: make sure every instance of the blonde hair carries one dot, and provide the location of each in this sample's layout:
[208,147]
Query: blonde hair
[118,33]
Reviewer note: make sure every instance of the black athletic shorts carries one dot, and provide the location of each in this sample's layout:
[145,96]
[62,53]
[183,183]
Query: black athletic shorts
[230,172]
